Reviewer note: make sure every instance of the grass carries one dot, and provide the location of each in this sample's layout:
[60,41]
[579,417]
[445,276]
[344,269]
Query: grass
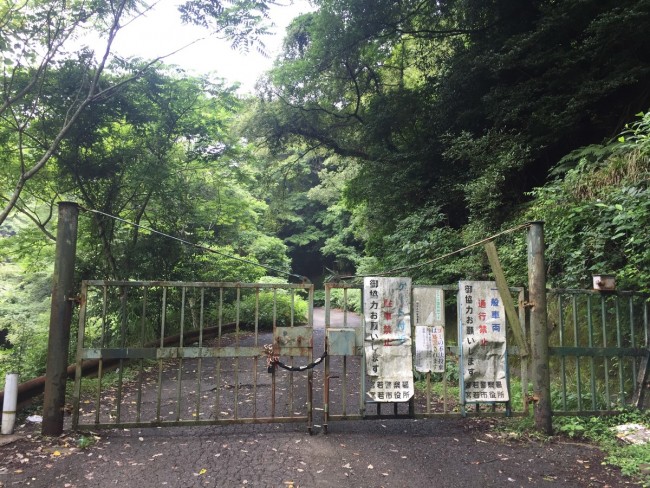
[632,460]
[628,457]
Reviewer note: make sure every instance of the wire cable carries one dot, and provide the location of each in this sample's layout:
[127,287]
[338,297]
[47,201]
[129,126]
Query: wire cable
[303,279]
[439,258]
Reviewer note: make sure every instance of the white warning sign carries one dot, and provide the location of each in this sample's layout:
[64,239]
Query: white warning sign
[387,311]
[429,315]
[482,336]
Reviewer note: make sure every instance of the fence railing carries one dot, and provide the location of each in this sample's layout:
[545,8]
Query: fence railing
[196,353]
[436,394]
[598,344]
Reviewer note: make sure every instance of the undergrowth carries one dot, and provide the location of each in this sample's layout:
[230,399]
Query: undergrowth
[597,430]
[600,430]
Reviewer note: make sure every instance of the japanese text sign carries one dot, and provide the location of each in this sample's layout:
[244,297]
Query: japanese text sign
[429,318]
[387,313]
[482,336]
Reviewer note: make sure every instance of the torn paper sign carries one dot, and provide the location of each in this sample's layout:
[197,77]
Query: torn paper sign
[429,315]
[387,312]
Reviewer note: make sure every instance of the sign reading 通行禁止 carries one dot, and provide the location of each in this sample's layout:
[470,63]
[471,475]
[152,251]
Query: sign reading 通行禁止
[429,319]
[482,337]
[387,312]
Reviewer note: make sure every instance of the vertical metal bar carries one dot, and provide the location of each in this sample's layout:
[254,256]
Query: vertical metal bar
[326,375]
[179,377]
[632,341]
[100,365]
[560,312]
[524,361]
[344,403]
[141,372]
[574,310]
[291,359]
[200,360]
[275,325]
[160,361]
[104,339]
[123,327]
[345,307]
[592,364]
[362,389]
[237,317]
[217,400]
[619,344]
[310,372]
[428,380]
[345,386]
[538,326]
[255,359]
[603,313]
[60,319]
[80,346]
[100,373]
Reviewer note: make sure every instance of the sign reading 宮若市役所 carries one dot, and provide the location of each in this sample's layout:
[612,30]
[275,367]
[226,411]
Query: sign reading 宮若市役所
[387,312]
[429,320]
[482,339]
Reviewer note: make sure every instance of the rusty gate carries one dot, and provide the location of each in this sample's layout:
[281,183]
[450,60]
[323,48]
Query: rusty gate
[436,394]
[175,353]
[198,353]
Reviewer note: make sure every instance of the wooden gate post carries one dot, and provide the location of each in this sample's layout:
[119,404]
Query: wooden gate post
[538,330]
[60,318]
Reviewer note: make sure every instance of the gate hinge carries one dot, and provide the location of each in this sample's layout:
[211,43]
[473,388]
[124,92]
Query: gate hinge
[532,398]
[76,299]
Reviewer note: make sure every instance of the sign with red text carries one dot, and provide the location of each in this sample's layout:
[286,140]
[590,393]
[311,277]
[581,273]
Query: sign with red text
[387,313]
[482,336]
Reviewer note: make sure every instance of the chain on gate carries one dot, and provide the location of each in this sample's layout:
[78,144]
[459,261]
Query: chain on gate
[273,359]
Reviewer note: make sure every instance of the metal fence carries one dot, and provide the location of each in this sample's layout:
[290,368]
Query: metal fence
[436,394]
[196,354]
[177,353]
[598,346]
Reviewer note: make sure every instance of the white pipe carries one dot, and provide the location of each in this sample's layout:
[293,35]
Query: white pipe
[9,404]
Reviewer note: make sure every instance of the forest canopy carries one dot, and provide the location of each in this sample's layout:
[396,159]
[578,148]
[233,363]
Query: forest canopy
[386,134]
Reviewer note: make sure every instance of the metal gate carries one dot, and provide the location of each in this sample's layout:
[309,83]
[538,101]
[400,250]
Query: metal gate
[175,353]
[436,394]
[196,354]
[598,350]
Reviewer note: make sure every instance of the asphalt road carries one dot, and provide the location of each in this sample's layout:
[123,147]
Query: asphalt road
[396,453]
[435,453]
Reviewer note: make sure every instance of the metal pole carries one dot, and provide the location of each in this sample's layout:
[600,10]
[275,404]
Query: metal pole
[538,330]
[60,318]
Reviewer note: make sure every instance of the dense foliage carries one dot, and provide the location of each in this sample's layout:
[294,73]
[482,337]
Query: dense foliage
[448,115]
[387,134]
